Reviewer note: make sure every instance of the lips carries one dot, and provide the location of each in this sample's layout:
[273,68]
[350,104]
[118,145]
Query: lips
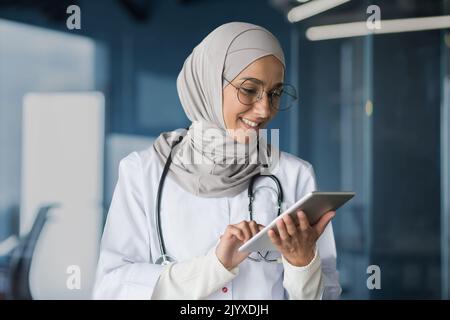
[249,124]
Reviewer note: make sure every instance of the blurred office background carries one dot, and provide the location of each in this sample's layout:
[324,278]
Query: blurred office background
[373,116]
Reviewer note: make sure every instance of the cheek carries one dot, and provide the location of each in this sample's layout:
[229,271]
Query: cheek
[230,110]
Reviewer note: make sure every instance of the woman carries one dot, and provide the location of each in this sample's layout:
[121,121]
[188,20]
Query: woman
[229,88]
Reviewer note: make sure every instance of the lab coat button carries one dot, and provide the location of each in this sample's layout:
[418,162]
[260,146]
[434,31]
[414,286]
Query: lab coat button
[224,289]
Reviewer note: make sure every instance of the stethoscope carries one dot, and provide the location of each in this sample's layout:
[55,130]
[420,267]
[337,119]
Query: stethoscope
[165,258]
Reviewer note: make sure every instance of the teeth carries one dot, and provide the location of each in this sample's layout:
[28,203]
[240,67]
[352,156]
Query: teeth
[250,123]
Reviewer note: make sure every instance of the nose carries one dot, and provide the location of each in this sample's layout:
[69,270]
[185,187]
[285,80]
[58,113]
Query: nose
[262,106]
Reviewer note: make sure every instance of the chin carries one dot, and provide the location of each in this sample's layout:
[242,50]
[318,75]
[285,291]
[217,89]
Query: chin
[243,133]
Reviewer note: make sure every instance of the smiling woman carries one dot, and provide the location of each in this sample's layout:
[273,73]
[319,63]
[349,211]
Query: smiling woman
[251,109]
[183,243]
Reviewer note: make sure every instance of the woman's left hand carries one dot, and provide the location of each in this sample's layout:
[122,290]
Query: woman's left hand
[297,242]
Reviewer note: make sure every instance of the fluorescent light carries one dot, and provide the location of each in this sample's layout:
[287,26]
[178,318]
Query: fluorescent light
[312,8]
[356,29]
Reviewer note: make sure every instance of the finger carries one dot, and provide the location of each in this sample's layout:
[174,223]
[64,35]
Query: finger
[323,222]
[245,229]
[303,221]
[290,225]
[260,226]
[253,227]
[284,235]
[233,231]
[274,238]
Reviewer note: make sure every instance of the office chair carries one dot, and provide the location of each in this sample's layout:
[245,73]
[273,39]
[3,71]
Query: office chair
[21,258]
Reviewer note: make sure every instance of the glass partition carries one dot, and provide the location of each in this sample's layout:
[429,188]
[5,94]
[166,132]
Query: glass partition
[374,118]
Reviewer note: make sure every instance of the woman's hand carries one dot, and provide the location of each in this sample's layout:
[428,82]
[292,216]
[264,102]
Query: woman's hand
[297,242]
[235,236]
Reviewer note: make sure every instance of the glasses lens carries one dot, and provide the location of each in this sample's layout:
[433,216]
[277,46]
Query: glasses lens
[249,91]
[284,98]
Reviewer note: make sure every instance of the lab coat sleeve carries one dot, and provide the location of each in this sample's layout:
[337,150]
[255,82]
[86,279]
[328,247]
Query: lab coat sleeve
[194,279]
[320,279]
[304,283]
[124,270]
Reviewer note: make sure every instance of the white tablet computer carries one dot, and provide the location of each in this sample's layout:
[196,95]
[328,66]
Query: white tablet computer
[314,204]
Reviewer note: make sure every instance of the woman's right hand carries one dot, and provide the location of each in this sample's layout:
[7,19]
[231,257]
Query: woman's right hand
[235,236]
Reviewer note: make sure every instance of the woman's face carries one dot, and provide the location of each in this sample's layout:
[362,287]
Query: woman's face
[242,120]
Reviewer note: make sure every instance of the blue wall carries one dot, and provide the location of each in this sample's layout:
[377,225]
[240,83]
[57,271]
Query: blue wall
[138,62]
[144,58]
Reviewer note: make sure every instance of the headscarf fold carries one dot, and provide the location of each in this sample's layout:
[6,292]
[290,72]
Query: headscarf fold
[208,162]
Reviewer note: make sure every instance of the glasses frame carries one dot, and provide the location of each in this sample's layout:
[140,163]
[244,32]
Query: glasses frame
[269,94]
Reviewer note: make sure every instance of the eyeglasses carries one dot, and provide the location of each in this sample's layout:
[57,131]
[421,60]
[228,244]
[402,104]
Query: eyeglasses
[251,91]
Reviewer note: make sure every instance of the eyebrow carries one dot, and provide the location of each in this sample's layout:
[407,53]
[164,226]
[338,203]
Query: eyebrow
[251,78]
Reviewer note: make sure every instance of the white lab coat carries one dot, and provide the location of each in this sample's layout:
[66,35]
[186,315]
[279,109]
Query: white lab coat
[191,226]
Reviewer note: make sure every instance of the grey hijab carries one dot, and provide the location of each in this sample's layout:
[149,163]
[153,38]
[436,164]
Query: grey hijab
[208,162]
